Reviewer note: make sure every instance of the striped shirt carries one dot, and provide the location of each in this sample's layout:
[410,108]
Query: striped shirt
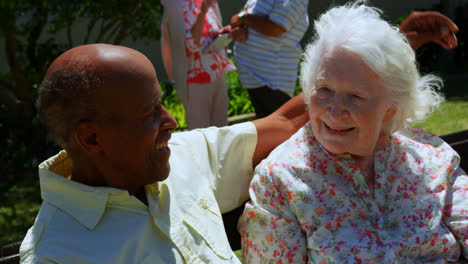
[273,61]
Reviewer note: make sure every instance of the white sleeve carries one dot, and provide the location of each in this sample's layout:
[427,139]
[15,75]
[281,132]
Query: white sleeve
[230,153]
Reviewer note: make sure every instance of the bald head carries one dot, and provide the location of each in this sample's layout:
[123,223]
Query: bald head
[104,60]
[78,80]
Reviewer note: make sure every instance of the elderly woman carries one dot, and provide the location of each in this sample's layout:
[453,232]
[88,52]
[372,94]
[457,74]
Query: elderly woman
[355,185]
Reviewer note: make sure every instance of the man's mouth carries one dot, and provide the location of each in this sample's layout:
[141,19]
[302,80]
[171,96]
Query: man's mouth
[161,146]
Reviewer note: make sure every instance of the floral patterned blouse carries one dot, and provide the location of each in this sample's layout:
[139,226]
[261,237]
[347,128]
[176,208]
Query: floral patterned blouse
[210,66]
[310,206]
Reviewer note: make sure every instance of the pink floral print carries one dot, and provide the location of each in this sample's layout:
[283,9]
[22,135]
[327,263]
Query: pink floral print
[310,206]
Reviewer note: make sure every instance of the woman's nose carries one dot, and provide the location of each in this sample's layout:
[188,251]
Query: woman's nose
[337,108]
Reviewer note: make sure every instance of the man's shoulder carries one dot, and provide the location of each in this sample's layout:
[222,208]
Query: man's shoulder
[32,242]
[211,133]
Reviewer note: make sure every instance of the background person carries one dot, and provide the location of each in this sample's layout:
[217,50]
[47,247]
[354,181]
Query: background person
[267,50]
[189,26]
[356,185]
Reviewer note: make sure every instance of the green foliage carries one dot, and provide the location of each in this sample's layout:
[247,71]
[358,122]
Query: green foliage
[451,117]
[238,97]
[20,205]
[174,106]
[238,100]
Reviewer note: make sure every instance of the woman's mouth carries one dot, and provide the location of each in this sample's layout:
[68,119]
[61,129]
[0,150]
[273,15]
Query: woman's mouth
[339,130]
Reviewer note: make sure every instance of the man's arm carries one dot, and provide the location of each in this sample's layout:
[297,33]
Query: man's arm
[279,126]
[429,26]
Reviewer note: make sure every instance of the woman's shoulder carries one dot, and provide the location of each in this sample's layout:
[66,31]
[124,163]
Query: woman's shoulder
[424,147]
[292,158]
[420,139]
[295,148]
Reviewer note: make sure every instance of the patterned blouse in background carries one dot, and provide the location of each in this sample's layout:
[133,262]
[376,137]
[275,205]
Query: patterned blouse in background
[204,67]
[310,206]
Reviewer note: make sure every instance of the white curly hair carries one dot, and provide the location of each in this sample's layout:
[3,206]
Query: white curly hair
[360,29]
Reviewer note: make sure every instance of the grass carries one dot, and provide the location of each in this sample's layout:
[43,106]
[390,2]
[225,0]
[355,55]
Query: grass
[451,117]
[20,205]
[20,201]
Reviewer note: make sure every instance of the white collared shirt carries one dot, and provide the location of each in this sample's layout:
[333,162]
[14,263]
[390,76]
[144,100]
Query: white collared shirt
[210,173]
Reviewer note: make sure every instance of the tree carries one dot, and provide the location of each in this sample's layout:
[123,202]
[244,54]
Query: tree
[31,34]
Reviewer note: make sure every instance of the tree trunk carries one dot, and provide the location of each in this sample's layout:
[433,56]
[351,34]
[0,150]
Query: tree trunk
[39,21]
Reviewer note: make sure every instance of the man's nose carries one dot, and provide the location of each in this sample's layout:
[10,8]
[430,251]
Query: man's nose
[168,122]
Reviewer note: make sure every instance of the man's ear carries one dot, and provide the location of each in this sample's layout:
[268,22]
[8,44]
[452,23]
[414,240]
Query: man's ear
[85,138]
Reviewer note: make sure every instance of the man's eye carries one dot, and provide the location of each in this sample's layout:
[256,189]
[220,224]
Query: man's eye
[157,111]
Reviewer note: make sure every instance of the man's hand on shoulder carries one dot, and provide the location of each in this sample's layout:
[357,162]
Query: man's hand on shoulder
[279,126]
[429,26]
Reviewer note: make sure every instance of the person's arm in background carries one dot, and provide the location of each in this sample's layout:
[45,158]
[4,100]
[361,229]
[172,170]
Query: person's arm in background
[279,126]
[281,19]
[259,23]
[197,28]
[429,26]
[166,51]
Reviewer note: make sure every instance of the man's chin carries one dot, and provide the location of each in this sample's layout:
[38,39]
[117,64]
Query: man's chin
[162,174]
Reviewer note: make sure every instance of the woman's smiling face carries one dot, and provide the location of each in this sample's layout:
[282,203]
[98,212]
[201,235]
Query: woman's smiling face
[349,105]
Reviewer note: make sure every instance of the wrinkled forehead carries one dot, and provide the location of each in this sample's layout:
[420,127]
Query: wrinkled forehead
[342,64]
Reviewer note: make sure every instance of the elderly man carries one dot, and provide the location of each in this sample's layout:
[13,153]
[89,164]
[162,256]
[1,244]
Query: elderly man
[116,194]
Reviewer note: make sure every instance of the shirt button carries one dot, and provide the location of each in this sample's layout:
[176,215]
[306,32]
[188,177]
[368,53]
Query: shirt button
[203,203]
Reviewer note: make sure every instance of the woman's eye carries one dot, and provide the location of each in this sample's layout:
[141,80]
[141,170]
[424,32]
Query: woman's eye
[324,91]
[358,97]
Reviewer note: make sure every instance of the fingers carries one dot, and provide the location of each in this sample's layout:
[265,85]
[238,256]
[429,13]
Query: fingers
[417,39]
[448,41]
[226,29]
[239,34]
[235,21]
[442,21]
[428,21]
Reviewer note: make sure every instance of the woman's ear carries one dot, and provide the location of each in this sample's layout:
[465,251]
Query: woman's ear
[389,115]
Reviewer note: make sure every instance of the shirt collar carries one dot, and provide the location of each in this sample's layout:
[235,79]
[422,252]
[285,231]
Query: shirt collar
[84,203]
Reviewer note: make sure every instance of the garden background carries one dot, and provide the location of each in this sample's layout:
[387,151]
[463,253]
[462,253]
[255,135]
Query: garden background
[34,32]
